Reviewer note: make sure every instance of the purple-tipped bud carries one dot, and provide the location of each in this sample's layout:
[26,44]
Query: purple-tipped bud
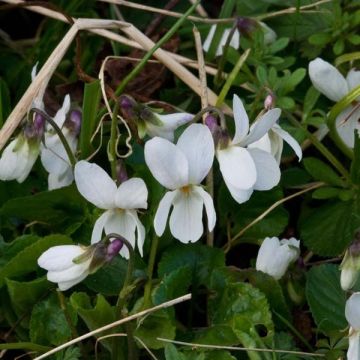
[269,102]
[113,248]
[128,106]
[354,248]
[212,123]
[75,119]
[246,25]
[121,172]
[36,128]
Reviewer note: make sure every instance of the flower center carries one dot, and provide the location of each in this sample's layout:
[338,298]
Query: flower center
[186,189]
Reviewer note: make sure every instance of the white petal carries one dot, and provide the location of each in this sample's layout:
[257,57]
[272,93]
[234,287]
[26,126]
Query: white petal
[140,231]
[186,218]
[234,42]
[65,285]
[60,116]
[197,144]
[69,274]
[261,126]
[132,194]
[207,42]
[346,123]
[241,120]
[60,181]
[267,169]
[122,223]
[239,195]
[237,167]
[353,352]
[209,206]
[167,163]
[348,278]
[173,121]
[289,139]
[353,79]
[60,257]
[269,34]
[154,130]
[162,212]
[352,310]
[327,79]
[263,144]
[95,185]
[18,159]
[99,225]
[266,254]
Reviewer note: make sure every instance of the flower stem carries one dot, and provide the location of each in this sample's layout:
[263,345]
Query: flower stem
[324,151]
[113,140]
[58,131]
[121,301]
[150,53]
[148,286]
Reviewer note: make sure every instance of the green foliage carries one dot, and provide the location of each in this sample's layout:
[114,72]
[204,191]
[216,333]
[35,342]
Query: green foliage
[48,323]
[326,298]
[25,261]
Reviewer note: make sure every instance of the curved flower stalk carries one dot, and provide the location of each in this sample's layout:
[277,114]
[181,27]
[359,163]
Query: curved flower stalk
[352,314]
[245,26]
[68,265]
[273,143]
[276,255]
[181,168]
[244,168]
[330,82]
[53,154]
[120,203]
[151,123]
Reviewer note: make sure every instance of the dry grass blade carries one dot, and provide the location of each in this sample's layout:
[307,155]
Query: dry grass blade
[168,12]
[111,35]
[114,324]
[237,348]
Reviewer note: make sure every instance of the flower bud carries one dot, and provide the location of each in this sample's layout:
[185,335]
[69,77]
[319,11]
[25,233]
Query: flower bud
[350,265]
[35,129]
[128,106]
[114,248]
[121,173]
[269,102]
[74,121]
[246,25]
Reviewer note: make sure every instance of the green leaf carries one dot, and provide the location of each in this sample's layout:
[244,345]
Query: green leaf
[261,74]
[171,353]
[325,193]
[153,326]
[4,101]
[242,307]
[94,317]
[24,295]
[200,258]
[71,353]
[326,298]
[173,285]
[219,355]
[355,164]
[58,209]
[25,261]
[294,79]
[278,45]
[217,335]
[329,229]
[91,101]
[322,172]
[109,279]
[286,102]
[311,97]
[48,323]
[241,215]
[338,47]
[320,39]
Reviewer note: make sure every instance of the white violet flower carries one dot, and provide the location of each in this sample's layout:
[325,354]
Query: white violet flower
[181,168]
[273,143]
[330,82]
[234,42]
[68,265]
[151,123]
[276,255]
[244,168]
[352,314]
[53,154]
[120,203]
